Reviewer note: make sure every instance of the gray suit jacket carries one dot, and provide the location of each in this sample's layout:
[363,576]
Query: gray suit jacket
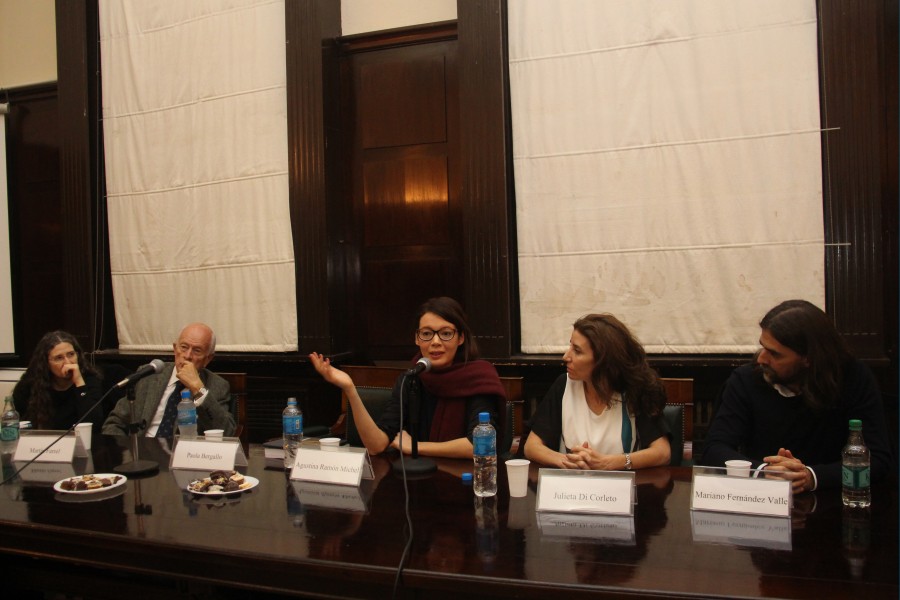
[214,413]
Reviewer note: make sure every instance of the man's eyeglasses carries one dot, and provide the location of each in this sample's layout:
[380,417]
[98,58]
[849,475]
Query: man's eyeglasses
[195,351]
[61,358]
[426,335]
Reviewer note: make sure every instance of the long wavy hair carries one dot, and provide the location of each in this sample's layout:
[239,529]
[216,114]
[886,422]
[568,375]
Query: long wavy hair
[806,329]
[39,380]
[450,310]
[620,364]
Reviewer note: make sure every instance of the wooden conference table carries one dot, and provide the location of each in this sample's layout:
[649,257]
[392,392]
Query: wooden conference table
[330,541]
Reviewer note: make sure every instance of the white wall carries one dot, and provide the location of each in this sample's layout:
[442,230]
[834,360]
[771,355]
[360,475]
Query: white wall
[360,16]
[27,42]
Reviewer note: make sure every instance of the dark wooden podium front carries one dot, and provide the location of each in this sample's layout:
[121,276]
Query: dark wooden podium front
[155,539]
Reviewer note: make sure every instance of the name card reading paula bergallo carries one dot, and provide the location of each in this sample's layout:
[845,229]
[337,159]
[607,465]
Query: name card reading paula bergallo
[31,444]
[747,495]
[208,455]
[342,465]
[604,492]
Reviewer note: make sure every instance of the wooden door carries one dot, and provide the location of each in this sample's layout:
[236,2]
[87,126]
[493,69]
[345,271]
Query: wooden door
[405,188]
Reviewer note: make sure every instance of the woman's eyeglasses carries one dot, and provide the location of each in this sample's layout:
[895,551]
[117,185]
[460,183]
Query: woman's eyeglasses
[426,335]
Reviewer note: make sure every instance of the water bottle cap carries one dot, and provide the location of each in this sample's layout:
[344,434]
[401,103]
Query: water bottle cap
[185,394]
[855,424]
[467,477]
[292,401]
[484,417]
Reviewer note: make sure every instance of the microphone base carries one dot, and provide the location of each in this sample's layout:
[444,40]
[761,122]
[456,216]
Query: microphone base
[137,467]
[416,468]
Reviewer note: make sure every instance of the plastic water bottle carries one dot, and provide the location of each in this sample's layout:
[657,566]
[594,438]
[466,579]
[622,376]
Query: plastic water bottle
[484,442]
[292,426]
[855,469]
[9,422]
[187,416]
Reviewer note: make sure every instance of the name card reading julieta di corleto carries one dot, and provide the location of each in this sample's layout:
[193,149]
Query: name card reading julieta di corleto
[61,446]
[604,492]
[712,489]
[208,454]
[342,465]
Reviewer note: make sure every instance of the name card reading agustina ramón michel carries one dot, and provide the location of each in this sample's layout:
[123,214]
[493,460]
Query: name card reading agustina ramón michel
[712,490]
[343,465]
[31,443]
[208,454]
[605,492]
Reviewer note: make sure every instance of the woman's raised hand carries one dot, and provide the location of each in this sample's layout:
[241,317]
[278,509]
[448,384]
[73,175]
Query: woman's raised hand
[329,373]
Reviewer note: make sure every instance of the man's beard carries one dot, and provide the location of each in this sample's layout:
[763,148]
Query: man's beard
[796,380]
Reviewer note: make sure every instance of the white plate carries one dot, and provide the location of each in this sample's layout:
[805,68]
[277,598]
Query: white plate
[103,494]
[122,479]
[253,481]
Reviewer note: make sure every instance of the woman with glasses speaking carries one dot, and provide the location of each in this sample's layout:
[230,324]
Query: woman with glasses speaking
[58,386]
[457,387]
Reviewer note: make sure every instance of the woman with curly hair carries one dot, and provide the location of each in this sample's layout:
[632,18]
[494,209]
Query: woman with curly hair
[58,386]
[606,412]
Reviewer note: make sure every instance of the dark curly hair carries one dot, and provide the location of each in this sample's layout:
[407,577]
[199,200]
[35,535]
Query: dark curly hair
[38,378]
[620,364]
[450,310]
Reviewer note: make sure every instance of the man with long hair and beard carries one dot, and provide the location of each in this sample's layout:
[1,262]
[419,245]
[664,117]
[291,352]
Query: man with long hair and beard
[789,410]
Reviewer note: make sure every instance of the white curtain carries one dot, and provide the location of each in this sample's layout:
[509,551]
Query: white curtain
[667,167]
[195,131]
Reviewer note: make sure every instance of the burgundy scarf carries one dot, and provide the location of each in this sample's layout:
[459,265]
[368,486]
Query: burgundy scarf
[451,388]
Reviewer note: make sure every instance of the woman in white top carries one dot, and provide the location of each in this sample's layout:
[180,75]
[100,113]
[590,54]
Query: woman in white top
[606,412]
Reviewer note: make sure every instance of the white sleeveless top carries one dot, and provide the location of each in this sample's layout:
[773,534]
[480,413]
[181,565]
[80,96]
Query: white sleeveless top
[602,432]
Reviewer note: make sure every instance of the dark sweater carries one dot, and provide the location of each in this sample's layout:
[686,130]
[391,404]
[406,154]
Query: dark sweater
[66,406]
[754,421]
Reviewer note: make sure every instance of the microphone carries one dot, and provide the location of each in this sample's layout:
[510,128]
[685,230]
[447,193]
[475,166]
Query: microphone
[154,366]
[424,364]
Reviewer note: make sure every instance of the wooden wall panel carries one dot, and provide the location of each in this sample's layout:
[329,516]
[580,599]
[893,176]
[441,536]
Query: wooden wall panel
[77,66]
[402,101]
[35,224]
[406,201]
[854,76]
[491,297]
[310,24]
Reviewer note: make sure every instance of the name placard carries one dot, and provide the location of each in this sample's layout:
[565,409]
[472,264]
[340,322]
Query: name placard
[610,529]
[341,465]
[32,443]
[38,472]
[747,495]
[208,455]
[336,497]
[604,492]
[741,530]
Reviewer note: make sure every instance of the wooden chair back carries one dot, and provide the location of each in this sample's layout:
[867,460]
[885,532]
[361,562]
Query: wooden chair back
[680,399]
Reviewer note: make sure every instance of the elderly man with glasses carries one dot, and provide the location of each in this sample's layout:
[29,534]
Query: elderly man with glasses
[157,396]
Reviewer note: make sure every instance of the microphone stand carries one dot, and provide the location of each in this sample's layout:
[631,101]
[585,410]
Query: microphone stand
[136,466]
[415,465]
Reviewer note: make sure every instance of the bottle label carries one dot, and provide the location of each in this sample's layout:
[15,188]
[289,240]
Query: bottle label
[187,416]
[9,433]
[855,477]
[485,445]
[292,425]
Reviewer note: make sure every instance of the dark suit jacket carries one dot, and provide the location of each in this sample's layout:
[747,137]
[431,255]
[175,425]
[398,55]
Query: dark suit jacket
[214,413]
